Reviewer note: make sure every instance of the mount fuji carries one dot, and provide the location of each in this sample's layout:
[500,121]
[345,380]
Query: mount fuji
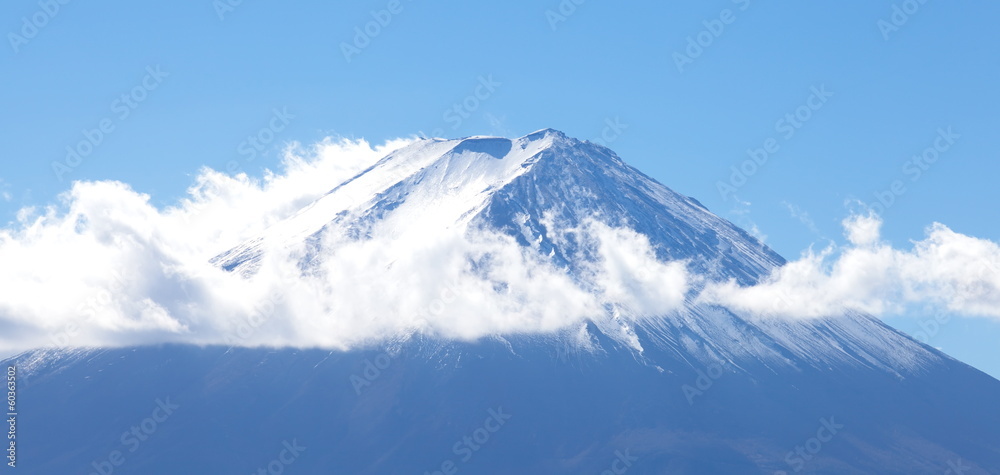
[572,340]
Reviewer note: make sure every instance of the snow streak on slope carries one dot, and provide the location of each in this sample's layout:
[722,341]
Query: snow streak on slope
[572,182]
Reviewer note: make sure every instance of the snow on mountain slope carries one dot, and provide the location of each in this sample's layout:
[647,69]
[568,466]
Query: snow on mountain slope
[582,212]
[541,278]
[511,185]
[424,188]
[572,181]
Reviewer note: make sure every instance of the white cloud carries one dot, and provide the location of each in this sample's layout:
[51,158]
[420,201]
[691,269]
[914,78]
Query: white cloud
[105,267]
[630,275]
[947,270]
[863,230]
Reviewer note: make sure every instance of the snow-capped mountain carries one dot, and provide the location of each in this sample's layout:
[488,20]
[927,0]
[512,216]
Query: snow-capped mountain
[696,388]
[510,186]
[542,189]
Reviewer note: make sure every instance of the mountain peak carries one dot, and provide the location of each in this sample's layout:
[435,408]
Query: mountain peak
[515,187]
[543,133]
[500,147]
[496,146]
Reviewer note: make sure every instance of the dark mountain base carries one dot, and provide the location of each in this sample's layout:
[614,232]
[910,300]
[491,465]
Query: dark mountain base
[489,408]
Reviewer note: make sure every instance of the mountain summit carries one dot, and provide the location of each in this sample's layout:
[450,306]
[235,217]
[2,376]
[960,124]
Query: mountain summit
[509,186]
[554,195]
[568,339]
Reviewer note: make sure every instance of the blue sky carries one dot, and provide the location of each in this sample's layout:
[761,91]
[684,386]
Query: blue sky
[225,72]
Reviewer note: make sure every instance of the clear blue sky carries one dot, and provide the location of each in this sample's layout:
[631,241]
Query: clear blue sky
[893,89]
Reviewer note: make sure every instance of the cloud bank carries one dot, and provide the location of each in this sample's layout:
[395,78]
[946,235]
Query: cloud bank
[945,270]
[104,267]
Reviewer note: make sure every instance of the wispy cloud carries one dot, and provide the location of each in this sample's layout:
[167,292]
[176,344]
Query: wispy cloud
[5,191]
[801,216]
[741,212]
